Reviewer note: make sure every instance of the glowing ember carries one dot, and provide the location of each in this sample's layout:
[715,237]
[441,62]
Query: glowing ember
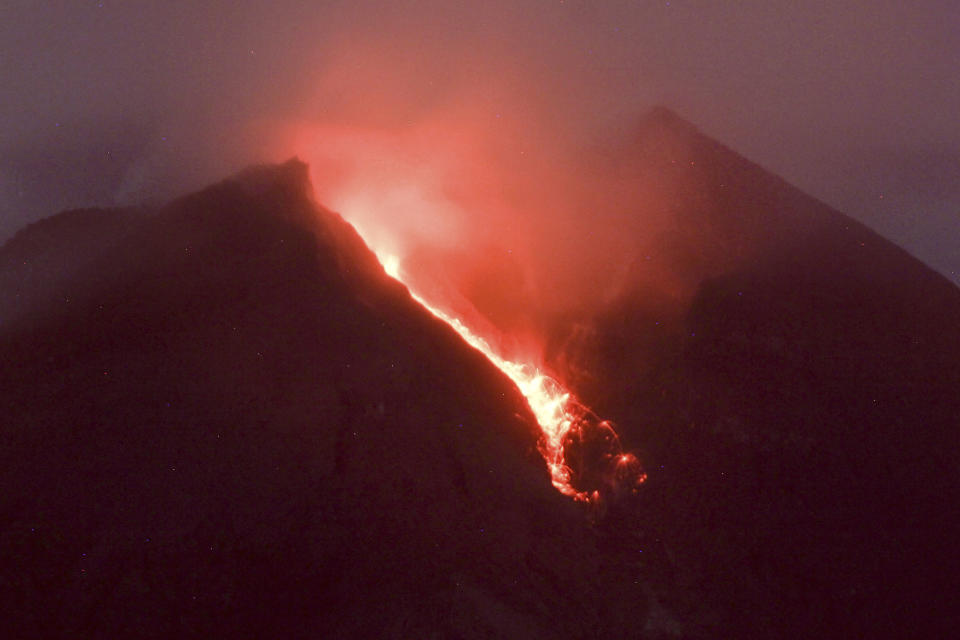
[569,430]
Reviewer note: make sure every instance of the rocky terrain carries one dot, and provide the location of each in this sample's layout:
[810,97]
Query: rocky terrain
[222,418]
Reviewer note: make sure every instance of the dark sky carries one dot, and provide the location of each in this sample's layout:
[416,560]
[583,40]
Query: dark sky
[114,102]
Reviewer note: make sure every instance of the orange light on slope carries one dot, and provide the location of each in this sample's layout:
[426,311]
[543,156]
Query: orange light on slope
[558,413]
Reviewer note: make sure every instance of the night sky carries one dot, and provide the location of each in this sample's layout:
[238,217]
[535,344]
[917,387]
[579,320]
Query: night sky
[115,102]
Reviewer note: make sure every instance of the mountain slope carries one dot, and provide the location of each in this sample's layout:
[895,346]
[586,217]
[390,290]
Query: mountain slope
[791,378]
[239,426]
[37,262]
[222,418]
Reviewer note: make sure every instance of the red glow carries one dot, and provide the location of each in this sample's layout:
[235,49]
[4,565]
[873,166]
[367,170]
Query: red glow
[563,420]
[488,215]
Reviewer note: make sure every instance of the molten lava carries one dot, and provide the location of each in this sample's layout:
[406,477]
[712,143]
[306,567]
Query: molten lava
[582,452]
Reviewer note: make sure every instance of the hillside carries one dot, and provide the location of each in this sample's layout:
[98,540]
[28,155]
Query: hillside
[791,377]
[239,426]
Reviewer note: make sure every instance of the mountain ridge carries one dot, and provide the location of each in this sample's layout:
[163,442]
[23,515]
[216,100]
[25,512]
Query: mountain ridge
[790,376]
[245,426]
[238,405]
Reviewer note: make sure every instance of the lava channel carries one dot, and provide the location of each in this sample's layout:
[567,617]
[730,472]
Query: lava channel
[582,452]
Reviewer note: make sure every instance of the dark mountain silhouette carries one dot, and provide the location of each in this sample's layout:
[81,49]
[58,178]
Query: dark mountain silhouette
[792,380]
[239,426]
[38,262]
[221,418]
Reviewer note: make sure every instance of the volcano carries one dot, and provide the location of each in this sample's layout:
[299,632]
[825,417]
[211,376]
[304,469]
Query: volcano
[232,422]
[223,418]
[792,379]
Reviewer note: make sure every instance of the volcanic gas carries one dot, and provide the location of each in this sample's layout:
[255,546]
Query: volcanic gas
[481,218]
[583,453]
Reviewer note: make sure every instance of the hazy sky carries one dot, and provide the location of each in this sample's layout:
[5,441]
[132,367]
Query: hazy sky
[112,102]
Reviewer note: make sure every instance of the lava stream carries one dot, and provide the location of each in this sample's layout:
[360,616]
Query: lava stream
[565,423]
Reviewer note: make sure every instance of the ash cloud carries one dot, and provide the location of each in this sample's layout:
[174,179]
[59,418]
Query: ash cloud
[494,116]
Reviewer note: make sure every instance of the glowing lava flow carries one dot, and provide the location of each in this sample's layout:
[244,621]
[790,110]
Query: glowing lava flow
[562,419]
